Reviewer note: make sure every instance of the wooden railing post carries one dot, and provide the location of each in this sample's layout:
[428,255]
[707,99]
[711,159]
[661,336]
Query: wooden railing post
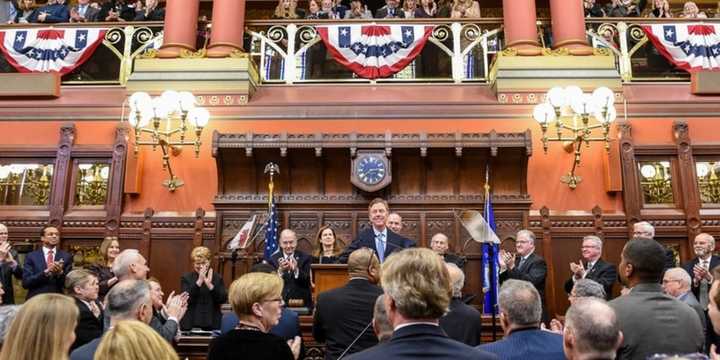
[145,241]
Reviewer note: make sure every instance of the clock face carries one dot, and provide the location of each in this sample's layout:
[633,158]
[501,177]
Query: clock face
[371,169]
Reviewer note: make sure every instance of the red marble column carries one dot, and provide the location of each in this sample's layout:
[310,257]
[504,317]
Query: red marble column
[520,21]
[228,25]
[180,32]
[568,27]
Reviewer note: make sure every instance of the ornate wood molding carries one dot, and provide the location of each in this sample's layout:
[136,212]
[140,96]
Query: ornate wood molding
[631,184]
[61,176]
[687,180]
[458,141]
[115,187]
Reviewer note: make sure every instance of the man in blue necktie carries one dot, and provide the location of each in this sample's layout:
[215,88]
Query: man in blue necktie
[378,237]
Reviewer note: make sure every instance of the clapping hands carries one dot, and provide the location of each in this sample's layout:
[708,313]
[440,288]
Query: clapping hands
[176,305]
[205,276]
[507,260]
[578,269]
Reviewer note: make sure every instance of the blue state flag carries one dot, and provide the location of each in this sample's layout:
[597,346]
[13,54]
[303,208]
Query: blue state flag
[490,261]
[271,232]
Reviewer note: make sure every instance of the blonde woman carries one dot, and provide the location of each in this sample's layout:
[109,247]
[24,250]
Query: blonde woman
[42,330]
[327,246]
[287,9]
[409,7]
[692,11]
[109,250]
[206,292]
[133,340]
[463,9]
[256,299]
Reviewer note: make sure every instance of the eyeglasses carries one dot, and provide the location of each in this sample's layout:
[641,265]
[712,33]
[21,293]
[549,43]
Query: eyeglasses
[279,300]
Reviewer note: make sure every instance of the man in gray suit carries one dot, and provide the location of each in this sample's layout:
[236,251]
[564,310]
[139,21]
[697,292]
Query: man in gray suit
[652,322]
[676,283]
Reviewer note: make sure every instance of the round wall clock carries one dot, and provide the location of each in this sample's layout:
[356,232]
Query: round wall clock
[370,170]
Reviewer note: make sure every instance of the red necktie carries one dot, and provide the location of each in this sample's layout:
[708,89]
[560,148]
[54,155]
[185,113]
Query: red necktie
[50,259]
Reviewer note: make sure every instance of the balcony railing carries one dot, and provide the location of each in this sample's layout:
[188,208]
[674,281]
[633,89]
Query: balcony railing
[289,52]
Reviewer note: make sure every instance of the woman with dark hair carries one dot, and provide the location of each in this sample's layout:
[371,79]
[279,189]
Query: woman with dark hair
[327,246]
[109,250]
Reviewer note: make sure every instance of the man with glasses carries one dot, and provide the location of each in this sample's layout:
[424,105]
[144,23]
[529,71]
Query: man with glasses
[294,267]
[525,265]
[9,266]
[700,268]
[592,267]
[676,283]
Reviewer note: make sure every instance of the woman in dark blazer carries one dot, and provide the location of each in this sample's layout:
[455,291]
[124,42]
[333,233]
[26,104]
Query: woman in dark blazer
[82,285]
[109,250]
[207,293]
[327,247]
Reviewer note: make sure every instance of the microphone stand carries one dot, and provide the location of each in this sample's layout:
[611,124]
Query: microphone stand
[355,340]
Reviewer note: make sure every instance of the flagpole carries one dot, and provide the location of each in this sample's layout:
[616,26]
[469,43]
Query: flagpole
[492,256]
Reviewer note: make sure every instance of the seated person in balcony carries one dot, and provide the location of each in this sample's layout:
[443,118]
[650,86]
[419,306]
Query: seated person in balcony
[8,11]
[622,8]
[314,12]
[358,10]
[54,12]
[659,9]
[691,11]
[327,7]
[339,9]
[463,9]
[150,12]
[83,12]
[593,9]
[390,11]
[116,10]
[427,9]
[409,7]
[24,11]
[287,9]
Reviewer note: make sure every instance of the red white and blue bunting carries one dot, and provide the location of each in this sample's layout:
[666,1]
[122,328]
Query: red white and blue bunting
[692,47]
[374,51]
[49,49]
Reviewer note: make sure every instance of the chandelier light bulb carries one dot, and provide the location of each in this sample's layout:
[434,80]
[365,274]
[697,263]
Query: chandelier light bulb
[187,100]
[105,172]
[139,101]
[161,108]
[604,96]
[4,172]
[544,113]
[172,99]
[648,171]
[557,97]
[85,166]
[702,169]
[17,169]
[199,117]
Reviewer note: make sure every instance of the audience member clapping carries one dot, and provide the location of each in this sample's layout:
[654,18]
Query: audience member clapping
[150,11]
[691,11]
[417,293]
[520,315]
[660,9]
[358,10]
[84,11]
[206,291]
[593,9]
[582,289]
[409,7]
[592,330]
[314,12]
[166,316]
[390,10]
[134,340]
[676,283]
[256,298]
[128,300]
[427,9]
[288,9]
[82,285]
[24,11]
[622,8]
[326,8]
[55,11]
[130,265]
[42,329]
[462,9]
[117,10]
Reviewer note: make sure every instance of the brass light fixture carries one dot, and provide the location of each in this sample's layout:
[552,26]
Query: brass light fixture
[92,183]
[19,179]
[570,111]
[178,113]
[708,181]
[656,182]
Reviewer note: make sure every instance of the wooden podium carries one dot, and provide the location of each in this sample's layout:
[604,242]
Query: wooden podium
[328,276]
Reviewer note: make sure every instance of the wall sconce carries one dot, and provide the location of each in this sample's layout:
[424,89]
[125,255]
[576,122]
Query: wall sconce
[569,110]
[147,114]
[708,181]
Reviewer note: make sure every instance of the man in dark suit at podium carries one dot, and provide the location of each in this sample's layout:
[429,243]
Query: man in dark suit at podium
[378,237]
[345,313]
[592,267]
[294,268]
[45,268]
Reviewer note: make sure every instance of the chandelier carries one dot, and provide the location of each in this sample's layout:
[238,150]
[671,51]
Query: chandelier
[708,181]
[91,187]
[569,112]
[17,180]
[167,119]
[656,182]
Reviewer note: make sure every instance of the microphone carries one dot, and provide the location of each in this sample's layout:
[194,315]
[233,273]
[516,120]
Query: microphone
[355,340]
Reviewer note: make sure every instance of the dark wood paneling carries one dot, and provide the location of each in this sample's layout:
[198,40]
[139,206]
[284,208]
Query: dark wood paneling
[408,172]
[336,161]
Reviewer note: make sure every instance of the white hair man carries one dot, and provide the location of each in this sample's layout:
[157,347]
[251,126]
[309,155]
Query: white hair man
[9,266]
[643,230]
[676,283]
[416,285]
[592,331]
[520,316]
[293,266]
[463,322]
[700,267]
[592,266]
[130,264]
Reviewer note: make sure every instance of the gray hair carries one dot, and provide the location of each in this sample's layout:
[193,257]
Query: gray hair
[457,279]
[121,265]
[520,302]
[594,238]
[709,237]
[589,288]
[7,315]
[679,274]
[126,297]
[595,327]
[530,235]
[381,323]
[646,225]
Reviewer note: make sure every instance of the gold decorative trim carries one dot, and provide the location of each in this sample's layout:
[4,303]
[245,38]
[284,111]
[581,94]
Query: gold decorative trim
[239,54]
[187,54]
[149,54]
[602,52]
[510,52]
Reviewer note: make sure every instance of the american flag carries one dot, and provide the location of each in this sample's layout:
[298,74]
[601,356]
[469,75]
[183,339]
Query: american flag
[271,232]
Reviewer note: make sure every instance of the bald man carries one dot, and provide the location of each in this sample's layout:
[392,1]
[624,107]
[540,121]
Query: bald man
[592,331]
[294,267]
[700,267]
[343,314]
[439,243]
